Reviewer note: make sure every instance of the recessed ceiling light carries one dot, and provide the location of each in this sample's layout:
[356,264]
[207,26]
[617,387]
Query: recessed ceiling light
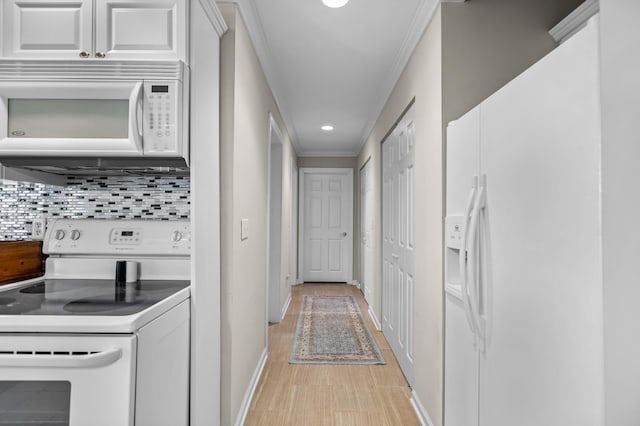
[327,127]
[335,3]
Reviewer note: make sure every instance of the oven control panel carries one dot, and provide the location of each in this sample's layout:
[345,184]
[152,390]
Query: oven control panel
[125,236]
[136,237]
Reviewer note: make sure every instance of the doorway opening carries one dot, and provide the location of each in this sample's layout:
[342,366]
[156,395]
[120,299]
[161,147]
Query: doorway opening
[278,290]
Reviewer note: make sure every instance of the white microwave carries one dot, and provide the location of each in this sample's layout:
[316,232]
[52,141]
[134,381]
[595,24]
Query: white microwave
[91,124]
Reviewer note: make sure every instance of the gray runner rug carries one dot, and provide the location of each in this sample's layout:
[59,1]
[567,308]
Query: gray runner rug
[331,330]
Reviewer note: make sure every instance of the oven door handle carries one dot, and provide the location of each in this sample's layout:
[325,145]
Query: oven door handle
[48,360]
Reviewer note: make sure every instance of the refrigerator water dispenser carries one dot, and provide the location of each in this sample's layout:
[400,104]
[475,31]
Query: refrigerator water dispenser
[454,228]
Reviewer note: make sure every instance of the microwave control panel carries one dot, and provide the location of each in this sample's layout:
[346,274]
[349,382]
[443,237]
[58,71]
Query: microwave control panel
[161,107]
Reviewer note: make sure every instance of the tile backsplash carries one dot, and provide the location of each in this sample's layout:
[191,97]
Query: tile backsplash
[109,197]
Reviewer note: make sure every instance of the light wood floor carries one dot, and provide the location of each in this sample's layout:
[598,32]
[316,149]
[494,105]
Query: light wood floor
[303,394]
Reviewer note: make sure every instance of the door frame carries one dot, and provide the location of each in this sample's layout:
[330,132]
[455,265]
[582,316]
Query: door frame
[274,222]
[295,213]
[366,178]
[303,171]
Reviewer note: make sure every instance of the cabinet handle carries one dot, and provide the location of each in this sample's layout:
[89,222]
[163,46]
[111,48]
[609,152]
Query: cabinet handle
[84,54]
[101,55]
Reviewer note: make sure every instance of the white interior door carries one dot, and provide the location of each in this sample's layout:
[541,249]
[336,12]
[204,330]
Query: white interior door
[398,177]
[326,222]
[366,229]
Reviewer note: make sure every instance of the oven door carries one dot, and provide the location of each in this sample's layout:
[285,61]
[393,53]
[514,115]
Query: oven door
[74,380]
[71,118]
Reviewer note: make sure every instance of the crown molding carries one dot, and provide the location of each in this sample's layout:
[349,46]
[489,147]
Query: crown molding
[421,20]
[574,21]
[215,17]
[349,154]
[251,18]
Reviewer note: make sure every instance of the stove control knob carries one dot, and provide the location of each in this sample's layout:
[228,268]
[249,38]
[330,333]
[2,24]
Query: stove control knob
[75,235]
[176,236]
[59,234]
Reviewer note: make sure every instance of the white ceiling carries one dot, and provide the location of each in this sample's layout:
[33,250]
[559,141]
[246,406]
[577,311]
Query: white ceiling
[333,66]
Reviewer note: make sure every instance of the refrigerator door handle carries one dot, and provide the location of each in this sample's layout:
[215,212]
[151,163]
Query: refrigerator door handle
[482,259]
[463,260]
[474,283]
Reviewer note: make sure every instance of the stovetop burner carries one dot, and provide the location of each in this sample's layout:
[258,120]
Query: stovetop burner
[86,297]
[96,305]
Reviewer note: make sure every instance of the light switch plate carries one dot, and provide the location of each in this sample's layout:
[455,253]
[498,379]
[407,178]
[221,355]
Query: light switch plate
[244,229]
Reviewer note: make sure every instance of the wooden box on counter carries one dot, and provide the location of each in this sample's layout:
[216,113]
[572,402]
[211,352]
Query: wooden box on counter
[20,260]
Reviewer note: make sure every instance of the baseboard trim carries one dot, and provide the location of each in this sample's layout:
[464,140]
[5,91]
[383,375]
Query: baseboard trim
[285,307]
[355,283]
[421,412]
[246,401]
[374,319]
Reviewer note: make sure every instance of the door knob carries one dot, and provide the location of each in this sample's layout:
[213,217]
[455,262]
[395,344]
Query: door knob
[344,234]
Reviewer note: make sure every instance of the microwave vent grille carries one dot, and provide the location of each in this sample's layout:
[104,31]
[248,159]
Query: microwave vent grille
[51,70]
[102,166]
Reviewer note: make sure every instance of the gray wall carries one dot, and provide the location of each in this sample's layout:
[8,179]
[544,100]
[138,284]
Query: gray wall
[421,80]
[246,102]
[328,162]
[486,43]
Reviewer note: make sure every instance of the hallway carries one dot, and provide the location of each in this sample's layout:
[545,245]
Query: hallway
[298,394]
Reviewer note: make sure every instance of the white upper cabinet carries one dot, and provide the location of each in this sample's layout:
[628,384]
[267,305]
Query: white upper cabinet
[101,29]
[52,29]
[128,29]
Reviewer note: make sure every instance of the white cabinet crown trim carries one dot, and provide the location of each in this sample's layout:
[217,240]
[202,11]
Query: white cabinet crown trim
[575,21]
[215,16]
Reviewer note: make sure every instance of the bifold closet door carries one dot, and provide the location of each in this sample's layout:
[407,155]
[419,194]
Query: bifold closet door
[398,175]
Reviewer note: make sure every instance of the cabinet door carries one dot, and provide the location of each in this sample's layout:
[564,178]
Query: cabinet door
[52,29]
[127,29]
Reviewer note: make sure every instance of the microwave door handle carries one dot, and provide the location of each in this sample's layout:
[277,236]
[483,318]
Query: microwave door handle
[135,115]
[46,360]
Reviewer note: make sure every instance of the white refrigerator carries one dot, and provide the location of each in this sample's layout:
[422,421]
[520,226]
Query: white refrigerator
[523,280]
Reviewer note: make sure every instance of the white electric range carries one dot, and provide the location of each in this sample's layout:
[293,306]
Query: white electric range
[79,348]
